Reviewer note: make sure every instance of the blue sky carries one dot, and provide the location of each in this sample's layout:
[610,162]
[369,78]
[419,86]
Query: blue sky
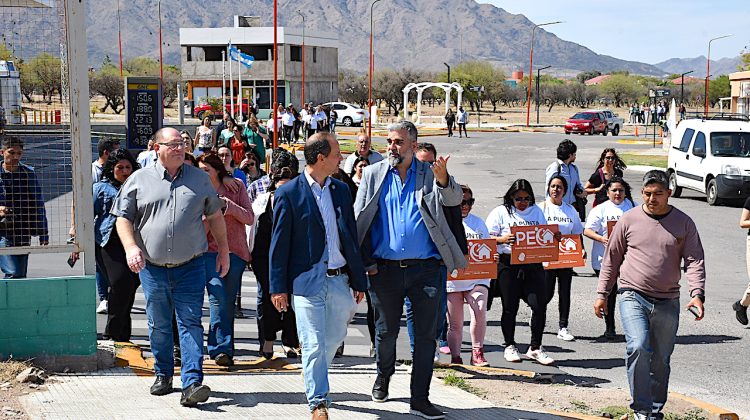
[628,29]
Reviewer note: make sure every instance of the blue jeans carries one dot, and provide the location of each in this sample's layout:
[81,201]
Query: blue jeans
[421,283]
[221,295]
[177,290]
[14,266]
[102,284]
[322,321]
[650,328]
[442,327]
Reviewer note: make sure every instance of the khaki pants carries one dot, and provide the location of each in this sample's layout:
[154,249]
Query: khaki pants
[745,301]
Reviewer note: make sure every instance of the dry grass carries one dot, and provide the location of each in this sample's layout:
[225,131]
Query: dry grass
[11,368]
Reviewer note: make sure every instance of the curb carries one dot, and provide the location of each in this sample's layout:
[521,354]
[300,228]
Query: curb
[714,412]
[514,372]
[567,415]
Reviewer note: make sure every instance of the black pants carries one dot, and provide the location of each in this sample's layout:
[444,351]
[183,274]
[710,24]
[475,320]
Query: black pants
[564,278]
[388,289]
[270,320]
[123,284]
[609,318]
[288,133]
[370,318]
[462,126]
[310,133]
[580,206]
[517,282]
[450,129]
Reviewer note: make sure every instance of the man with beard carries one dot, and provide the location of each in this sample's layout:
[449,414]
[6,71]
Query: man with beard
[405,238]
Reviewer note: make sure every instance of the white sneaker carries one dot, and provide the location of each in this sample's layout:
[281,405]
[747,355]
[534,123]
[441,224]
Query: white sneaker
[511,354]
[437,355]
[565,335]
[540,356]
[102,308]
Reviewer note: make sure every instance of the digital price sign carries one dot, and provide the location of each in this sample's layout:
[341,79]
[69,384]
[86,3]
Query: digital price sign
[144,110]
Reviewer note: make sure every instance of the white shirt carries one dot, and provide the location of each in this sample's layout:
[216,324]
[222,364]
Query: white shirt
[565,217]
[288,118]
[373,157]
[146,158]
[475,229]
[96,171]
[311,122]
[462,117]
[325,205]
[597,221]
[500,221]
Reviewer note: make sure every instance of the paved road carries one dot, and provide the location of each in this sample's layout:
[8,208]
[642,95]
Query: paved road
[710,356]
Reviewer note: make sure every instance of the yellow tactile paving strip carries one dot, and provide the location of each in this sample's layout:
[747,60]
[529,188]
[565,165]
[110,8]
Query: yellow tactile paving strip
[130,355]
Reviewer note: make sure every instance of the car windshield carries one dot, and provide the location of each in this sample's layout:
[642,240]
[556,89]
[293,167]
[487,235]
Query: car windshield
[736,144]
[583,116]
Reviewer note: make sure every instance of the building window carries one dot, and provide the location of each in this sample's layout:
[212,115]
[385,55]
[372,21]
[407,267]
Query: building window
[295,53]
[189,54]
[315,54]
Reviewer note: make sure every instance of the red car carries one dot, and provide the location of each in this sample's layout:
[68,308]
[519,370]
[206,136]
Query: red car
[587,122]
[205,109]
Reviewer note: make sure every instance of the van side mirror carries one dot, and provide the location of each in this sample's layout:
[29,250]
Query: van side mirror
[699,151]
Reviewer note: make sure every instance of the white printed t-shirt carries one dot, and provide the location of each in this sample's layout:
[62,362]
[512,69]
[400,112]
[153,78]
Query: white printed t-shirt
[500,221]
[475,229]
[565,217]
[597,221]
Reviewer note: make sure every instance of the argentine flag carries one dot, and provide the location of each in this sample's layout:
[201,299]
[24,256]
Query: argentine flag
[244,59]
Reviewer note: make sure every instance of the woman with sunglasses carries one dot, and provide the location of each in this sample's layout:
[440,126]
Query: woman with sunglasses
[568,222]
[608,166]
[473,292]
[251,168]
[619,200]
[519,281]
[222,290]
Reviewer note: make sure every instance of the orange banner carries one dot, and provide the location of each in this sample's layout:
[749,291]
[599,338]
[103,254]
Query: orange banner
[571,254]
[610,225]
[534,244]
[481,261]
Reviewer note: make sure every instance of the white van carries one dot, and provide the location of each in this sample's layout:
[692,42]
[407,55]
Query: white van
[711,156]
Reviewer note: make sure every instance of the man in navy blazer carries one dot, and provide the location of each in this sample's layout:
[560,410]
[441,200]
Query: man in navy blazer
[315,258]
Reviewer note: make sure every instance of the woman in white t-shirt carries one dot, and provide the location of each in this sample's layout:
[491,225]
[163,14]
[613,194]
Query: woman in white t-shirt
[473,292]
[620,201]
[519,281]
[569,223]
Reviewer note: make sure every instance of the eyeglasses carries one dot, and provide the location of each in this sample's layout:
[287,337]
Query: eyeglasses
[609,158]
[469,202]
[251,164]
[173,146]
[520,199]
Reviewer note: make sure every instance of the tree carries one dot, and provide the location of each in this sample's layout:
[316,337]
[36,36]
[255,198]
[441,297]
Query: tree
[388,85]
[744,61]
[147,66]
[479,73]
[108,83]
[353,87]
[621,88]
[5,53]
[718,88]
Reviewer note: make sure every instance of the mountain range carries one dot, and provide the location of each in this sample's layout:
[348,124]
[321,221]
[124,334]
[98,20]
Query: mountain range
[698,66]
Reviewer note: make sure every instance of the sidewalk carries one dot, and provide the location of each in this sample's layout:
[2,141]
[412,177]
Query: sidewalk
[253,389]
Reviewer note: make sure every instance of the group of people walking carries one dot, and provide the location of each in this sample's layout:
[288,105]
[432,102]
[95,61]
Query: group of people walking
[387,229]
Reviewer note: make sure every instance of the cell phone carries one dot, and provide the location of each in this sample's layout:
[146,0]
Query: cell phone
[71,261]
[694,310]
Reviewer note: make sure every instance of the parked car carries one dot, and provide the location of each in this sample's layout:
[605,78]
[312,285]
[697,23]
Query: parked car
[711,157]
[348,114]
[204,109]
[588,122]
[614,123]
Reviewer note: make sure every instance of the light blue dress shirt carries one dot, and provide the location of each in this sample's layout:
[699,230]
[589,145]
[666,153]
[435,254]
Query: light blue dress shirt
[328,212]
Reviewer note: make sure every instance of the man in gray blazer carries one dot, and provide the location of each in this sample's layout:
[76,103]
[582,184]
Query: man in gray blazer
[405,238]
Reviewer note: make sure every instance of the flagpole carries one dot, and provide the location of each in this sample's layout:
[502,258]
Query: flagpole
[223,81]
[231,84]
[239,77]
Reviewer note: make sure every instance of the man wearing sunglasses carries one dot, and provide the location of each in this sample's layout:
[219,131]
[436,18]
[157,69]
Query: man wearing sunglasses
[159,220]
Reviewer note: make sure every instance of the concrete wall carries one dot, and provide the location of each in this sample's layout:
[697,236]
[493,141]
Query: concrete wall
[48,317]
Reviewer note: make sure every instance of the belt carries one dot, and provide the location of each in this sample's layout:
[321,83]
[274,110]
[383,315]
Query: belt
[333,272]
[170,265]
[407,263]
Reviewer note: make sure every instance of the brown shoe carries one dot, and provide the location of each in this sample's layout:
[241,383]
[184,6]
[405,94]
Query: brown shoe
[320,412]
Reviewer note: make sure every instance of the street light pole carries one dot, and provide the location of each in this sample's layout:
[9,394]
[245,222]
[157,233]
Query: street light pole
[531,64]
[161,56]
[369,88]
[274,105]
[537,91]
[303,58]
[682,86]
[119,35]
[449,72]
[708,71]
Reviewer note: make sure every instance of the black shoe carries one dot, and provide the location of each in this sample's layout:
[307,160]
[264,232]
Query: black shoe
[194,394]
[426,410]
[380,389]
[223,359]
[741,312]
[162,385]
[339,351]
